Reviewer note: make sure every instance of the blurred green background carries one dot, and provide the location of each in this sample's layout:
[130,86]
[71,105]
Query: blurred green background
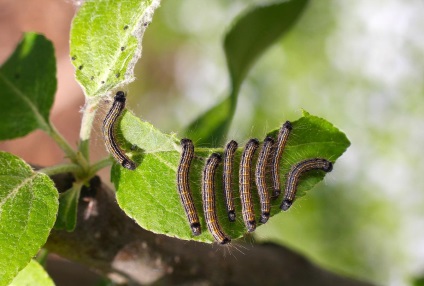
[360,65]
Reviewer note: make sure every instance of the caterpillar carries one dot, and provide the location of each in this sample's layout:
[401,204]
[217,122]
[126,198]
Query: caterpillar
[229,152]
[244,184]
[296,172]
[109,130]
[283,135]
[208,198]
[260,178]
[183,185]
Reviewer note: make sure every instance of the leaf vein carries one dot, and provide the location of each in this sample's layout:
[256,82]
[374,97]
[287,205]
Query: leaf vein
[40,119]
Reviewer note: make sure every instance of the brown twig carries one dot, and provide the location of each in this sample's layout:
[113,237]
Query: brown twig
[109,242]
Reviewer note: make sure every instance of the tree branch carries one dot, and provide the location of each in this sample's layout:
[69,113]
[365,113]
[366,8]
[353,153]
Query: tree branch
[108,241]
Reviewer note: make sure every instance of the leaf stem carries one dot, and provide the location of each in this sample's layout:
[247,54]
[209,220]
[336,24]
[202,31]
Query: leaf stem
[101,164]
[75,157]
[60,169]
[89,113]
[42,256]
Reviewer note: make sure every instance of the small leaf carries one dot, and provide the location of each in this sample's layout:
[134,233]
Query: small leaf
[32,274]
[28,208]
[252,33]
[106,42]
[68,207]
[27,84]
[149,193]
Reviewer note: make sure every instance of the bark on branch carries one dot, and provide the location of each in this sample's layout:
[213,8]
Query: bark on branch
[111,243]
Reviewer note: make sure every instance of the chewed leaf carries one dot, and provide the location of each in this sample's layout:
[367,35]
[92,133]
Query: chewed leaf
[149,194]
[27,84]
[28,208]
[32,274]
[106,42]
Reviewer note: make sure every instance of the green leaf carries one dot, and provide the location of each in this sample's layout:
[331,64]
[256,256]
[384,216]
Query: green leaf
[252,33]
[149,193]
[106,42]
[145,136]
[213,124]
[28,208]
[27,84]
[32,274]
[418,281]
[68,207]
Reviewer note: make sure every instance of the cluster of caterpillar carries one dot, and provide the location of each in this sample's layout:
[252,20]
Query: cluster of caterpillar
[269,156]
[271,151]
